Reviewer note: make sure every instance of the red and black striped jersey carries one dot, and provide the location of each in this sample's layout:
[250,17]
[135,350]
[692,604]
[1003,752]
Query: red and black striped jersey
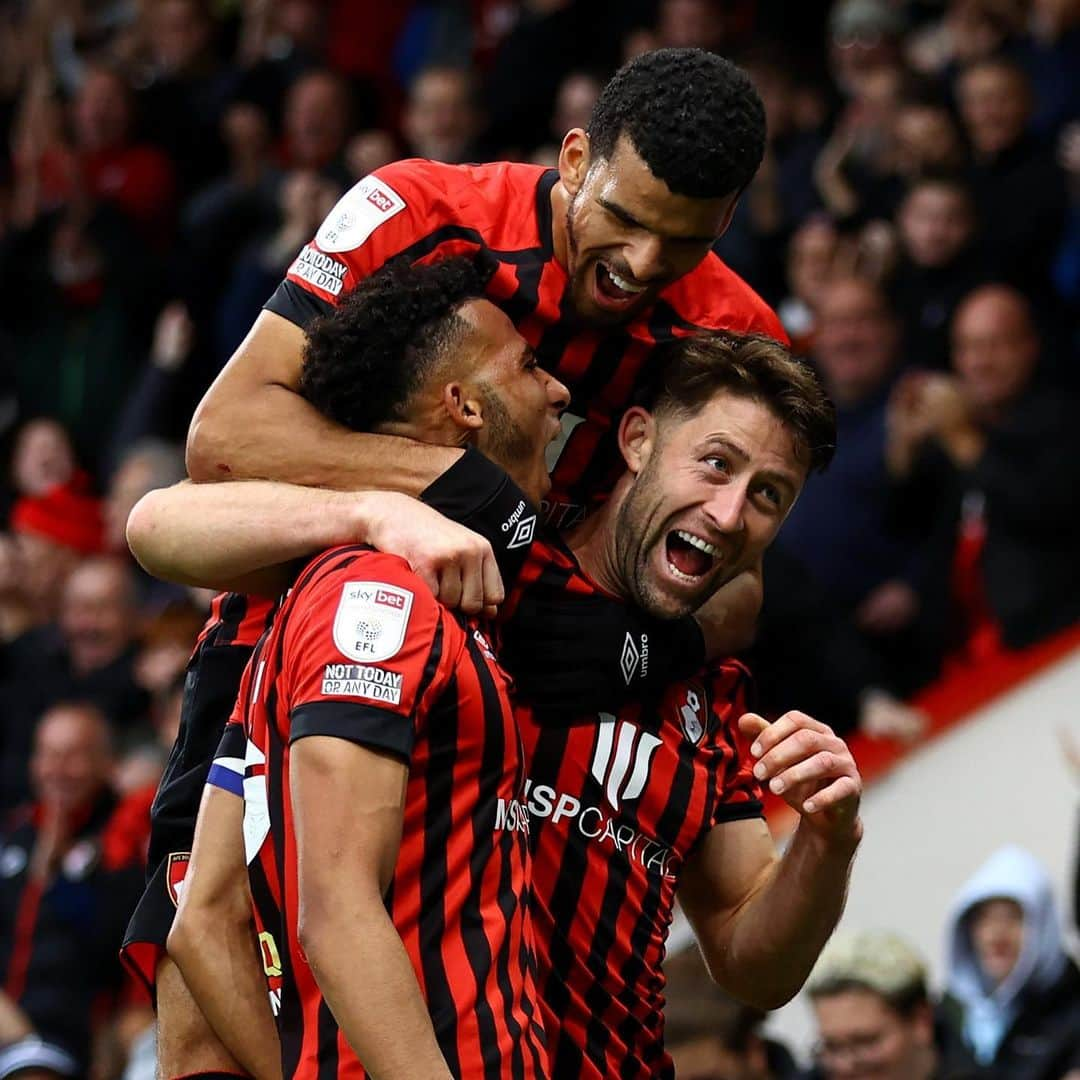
[360,650]
[423,210]
[616,805]
[236,619]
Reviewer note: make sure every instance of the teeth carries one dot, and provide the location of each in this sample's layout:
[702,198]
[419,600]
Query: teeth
[696,541]
[679,575]
[621,283]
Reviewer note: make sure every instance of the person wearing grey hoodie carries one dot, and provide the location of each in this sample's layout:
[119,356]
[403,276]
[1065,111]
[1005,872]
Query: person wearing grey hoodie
[1013,994]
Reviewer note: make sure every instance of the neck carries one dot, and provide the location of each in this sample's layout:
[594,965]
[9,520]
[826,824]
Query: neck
[428,423]
[595,545]
[560,203]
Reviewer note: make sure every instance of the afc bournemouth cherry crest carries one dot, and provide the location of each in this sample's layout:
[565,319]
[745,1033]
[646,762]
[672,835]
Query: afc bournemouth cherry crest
[175,873]
[694,713]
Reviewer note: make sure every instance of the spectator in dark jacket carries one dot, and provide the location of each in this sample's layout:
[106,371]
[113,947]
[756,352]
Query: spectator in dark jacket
[988,464]
[1014,992]
[67,880]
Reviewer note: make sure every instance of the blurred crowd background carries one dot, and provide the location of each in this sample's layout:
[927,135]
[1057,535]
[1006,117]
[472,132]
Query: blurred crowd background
[916,223]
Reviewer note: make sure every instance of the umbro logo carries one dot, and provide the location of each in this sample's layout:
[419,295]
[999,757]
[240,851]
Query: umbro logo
[634,653]
[523,534]
[621,759]
[630,658]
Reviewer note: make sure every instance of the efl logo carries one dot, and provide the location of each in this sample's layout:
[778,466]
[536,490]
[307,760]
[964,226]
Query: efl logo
[378,197]
[621,761]
[393,600]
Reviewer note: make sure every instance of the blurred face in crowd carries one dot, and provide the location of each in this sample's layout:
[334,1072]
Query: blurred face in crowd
[628,236]
[995,103]
[926,137]
[71,760]
[690,24]
[997,936]
[856,340]
[102,111]
[811,254]
[994,347]
[42,458]
[97,613]
[862,1037]
[708,1058]
[179,35]
[306,198]
[936,223]
[441,119]
[574,104]
[44,568]
[316,119]
[709,493]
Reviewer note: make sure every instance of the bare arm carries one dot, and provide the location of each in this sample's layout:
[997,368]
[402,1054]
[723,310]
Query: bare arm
[245,535]
[212,942]
[761,921]
[347,809]
[252,424]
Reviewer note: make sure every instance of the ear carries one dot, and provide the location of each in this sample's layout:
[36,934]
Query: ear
[637,437]
[574,160]
[466,411]
[729,215]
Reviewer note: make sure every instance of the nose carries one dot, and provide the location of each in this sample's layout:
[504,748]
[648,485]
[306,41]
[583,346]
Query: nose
[558,395]
[645,257]
[727,507]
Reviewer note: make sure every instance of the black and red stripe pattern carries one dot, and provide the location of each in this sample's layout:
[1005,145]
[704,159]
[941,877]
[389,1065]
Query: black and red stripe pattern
[459,892]
[616,805]
[502,212]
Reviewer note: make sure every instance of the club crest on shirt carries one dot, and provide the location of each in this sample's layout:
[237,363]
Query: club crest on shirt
[371,620]
[694,713]
[175,874]
[357,214]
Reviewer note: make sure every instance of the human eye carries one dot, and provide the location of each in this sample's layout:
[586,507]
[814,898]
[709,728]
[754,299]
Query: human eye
[771,495]
[718,463]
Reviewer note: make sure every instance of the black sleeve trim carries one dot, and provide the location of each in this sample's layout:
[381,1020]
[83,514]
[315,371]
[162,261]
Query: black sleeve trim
[479,494]
[233,742]
[741,811]
[297,305]
[365,725]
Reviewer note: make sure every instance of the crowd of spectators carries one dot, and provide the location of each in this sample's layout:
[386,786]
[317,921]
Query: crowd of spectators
[916,223]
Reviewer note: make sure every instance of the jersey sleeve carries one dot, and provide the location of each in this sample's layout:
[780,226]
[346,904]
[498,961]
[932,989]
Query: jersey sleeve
[364,648]
[401,209]
[227,768]
[740,793]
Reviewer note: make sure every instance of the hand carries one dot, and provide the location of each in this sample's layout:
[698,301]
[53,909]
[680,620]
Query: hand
[728,619]
[943,403]
[457,564]
[888,608]
[803,761]
[906,423]
[882,716]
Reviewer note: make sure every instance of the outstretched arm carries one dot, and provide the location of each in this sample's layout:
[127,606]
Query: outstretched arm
[253,424]
[245,536]
[762,920]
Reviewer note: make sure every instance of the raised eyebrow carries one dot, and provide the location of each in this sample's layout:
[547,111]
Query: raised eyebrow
[625,215]
[717,442]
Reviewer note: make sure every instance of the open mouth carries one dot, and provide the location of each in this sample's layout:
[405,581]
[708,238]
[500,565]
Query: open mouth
[690,558]
[616,290]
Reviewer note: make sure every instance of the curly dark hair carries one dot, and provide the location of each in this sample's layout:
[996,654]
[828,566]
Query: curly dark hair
[694,117]
[689,371]
[365,360]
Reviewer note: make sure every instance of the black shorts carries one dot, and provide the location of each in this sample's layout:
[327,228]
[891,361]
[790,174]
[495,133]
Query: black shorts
[210,689]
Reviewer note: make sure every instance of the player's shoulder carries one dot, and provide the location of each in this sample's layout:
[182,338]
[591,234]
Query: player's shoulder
[714,297]
[468,195]
[331,570]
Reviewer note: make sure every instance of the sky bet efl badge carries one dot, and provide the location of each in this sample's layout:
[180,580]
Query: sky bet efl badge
[371,620]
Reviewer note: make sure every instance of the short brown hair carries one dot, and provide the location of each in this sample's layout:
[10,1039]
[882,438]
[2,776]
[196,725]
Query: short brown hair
[691,370]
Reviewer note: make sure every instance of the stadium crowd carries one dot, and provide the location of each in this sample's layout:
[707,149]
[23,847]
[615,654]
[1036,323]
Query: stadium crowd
[916,226]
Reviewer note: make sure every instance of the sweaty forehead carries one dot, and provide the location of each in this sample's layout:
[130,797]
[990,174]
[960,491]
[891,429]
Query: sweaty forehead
[489,328]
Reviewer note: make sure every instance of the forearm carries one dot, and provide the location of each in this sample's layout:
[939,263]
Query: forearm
[219,535]
[776,937]
[219,963]
[269,432]
[384,1020]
